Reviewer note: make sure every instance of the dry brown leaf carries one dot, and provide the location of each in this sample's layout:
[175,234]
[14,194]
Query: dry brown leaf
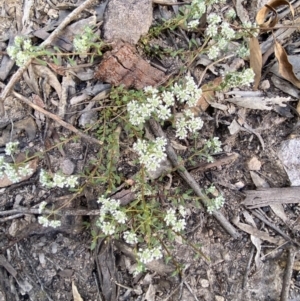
[76,295]
[45,72]
[5,181]
[207,95]
[271,6]
[255,61]
[284,66]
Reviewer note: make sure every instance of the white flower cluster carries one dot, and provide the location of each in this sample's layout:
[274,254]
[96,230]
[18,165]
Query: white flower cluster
[23,50]
[147,255]
[82,42]
[11,148]
[12,171]
[171,219]
[237,79]
[188,122]
[198,8]
[45,222]
[215,204]
[159,104]
[222,34]
[130,237]
[151,154]
[110,210]
[214,145]
[57,180]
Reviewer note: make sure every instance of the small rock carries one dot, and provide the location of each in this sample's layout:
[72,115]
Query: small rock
[265,85]
[219,298]
[239,185]
[204,283]
[42,259]
[127,20]
[54,248]
[67,167]
[289,154]
[254,164]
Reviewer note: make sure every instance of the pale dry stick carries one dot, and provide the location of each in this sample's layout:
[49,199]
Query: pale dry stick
[66,125]
[63,212]
[287,275]
[210,65]
[17,75]
[191,291]
[158,132]
[271,225]
[245,278]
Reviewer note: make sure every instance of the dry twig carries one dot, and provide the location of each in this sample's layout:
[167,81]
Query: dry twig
[287,275]
[158,132]
[68,126]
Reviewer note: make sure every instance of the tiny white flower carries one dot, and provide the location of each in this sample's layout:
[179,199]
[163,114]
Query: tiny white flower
[108,228]
[43,221]
[179,225]
[59,180]
[192,24]
[42,206]
[11,148]
[213,52]
[168,98]
[130,237]
[71,181]
[211,30]
[120,217]
[54,223]
[170,217]
[25,170]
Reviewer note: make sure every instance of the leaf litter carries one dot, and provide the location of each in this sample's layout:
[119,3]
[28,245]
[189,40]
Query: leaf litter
[52,84]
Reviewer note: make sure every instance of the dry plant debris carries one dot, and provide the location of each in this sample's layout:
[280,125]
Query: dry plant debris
[65,97]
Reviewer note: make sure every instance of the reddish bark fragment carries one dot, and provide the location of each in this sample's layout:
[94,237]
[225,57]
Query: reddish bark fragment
[124,66]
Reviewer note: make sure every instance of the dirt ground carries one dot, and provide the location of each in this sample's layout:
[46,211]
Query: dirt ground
[38,263]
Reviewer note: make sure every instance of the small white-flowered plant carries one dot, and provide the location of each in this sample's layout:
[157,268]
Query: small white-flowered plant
[151,154]
[130,237]
[215,203]
[171,219]
[23,50]
[57,180]
[187,123]
[42,206]
[213,52]
[11,148]
[147,255]
[111,215]
[44,221]
[237,79]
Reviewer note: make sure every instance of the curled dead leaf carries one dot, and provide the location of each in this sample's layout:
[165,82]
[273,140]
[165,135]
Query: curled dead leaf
[75,292]
[271,7]
[285,67]
[255,60]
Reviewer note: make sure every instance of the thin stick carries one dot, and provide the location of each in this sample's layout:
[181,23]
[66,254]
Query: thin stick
[71,212]
[245,278]
[68,126]
[16,77]
[158,132]
[271,225]
[287,275]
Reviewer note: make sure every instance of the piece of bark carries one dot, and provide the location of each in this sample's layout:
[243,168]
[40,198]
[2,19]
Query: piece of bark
[124,66]
[266,196]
